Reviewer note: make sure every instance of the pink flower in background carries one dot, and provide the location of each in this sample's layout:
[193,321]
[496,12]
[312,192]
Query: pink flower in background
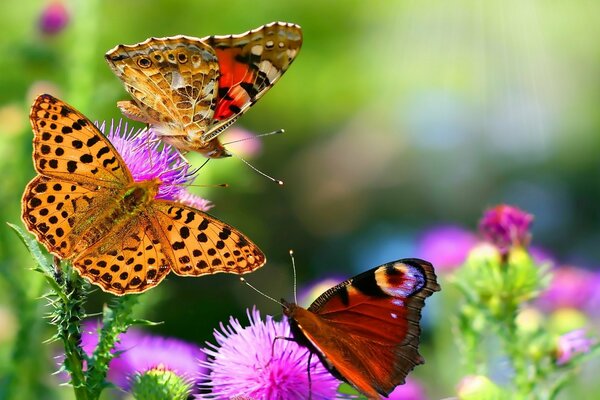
[445,246]
[411,390]
[570,287]
[248,145]
[506,226]
[139,352]
[247,362]
[309,292]
[571,344]
[54,18]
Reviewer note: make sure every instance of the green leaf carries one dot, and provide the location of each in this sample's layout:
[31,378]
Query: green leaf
[43,265]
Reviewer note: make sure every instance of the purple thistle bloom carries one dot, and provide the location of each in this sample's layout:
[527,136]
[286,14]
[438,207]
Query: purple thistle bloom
[190,199]
[54,18]
[147,158]
[250,363]
[446,246]
[571,344]
[506,227]
[139,352]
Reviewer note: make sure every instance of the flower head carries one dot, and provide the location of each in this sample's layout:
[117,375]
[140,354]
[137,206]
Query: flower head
[506,227]
[571,344]
[446,246]
[147,158]
[250,362]
[54,18]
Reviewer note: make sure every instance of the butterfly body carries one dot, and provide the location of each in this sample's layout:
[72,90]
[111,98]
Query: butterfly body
[366,330]
[86,207]
[191,89]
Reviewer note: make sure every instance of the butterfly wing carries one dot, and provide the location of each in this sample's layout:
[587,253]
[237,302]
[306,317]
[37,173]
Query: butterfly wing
[367,328]
[130,259]
[67,145]
[173,82]
[250,64]
[55,211]
[202,244]
[75,160]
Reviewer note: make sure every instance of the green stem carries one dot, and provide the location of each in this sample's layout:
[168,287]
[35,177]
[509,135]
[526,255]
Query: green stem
[512,346]
[69,330]
[117,318]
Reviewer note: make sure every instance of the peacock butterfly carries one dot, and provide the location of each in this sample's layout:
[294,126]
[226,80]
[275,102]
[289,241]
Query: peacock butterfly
[366,329]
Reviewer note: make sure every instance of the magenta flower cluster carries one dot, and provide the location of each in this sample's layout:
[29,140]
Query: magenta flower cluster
[506,226]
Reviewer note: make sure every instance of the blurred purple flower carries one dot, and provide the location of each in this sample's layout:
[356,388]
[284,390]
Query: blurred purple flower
[445,246]
[309,292]
[411,390]
[139,352]
[506,226]
[54,18]
[570,287]
[571,344]
[248,144]
[249,362]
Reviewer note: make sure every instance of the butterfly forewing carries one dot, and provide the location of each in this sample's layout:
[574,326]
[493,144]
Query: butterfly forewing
[173,81]
[250,63]
[67,145]
[202,244]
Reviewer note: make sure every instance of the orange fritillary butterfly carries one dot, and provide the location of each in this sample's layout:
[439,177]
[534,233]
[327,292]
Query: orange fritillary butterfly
[190,90]
[85,207]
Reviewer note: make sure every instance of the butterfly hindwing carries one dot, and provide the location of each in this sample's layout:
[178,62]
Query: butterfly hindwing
[130,259]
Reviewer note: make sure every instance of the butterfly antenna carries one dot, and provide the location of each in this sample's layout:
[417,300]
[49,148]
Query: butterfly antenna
[277,132]
[294,272]
[244,281]
[277,181]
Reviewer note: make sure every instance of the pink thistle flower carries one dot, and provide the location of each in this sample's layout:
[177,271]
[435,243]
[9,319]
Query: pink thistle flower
[571,344]
[247,362]
[506,227]
[446,246]
[192,200]
[54,18]
[147,158]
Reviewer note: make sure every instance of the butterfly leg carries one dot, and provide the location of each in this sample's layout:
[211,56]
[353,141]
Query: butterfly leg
[290,339]
[310,354]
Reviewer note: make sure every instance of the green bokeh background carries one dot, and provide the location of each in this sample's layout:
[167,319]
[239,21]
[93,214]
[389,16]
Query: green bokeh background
[400,115]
